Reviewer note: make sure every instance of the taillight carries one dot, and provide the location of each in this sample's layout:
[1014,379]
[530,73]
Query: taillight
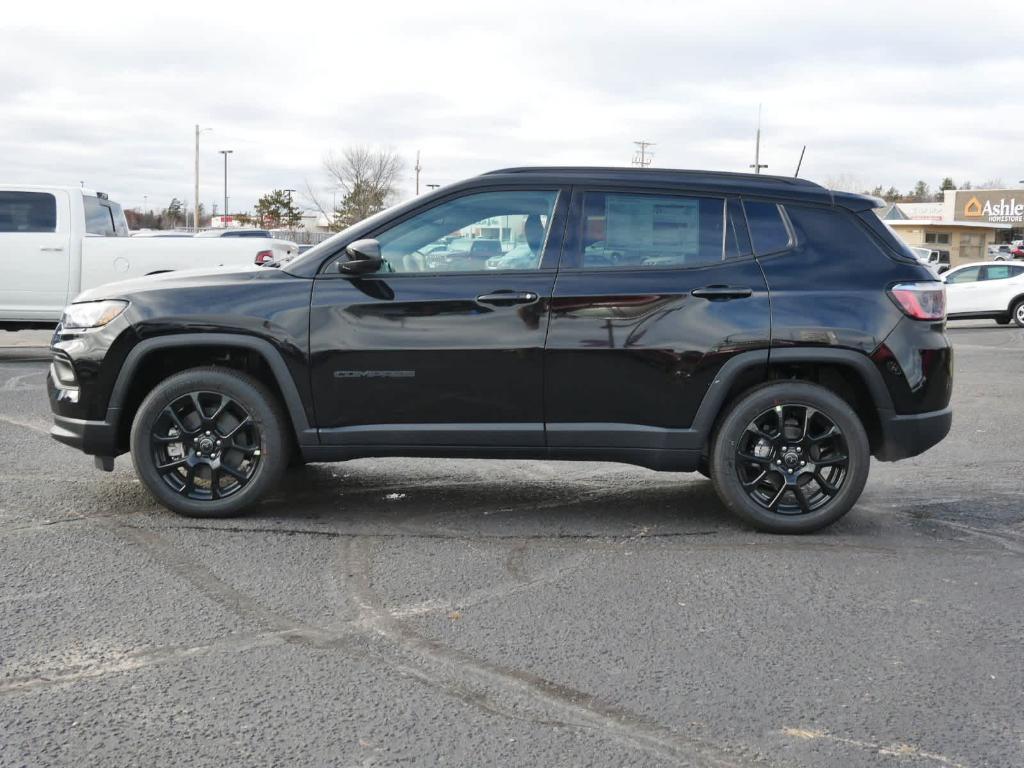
[263,257]
[921,301]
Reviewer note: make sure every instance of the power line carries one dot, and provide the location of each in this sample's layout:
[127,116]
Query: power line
[641,157]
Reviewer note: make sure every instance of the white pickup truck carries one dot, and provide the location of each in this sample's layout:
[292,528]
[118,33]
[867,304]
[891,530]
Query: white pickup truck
[58,241]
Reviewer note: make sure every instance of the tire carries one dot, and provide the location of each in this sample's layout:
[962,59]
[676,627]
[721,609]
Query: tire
[771,502]
[239,444]
[1017,313]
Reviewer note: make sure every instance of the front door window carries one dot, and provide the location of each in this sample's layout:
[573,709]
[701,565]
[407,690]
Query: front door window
[488,231]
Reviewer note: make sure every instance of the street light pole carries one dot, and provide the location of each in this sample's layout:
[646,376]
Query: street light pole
[195,202]
[226,152]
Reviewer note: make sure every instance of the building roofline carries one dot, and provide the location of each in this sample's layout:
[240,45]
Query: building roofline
[939,223]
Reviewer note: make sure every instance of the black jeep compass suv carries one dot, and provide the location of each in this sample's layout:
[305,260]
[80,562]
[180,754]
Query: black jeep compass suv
[764,331]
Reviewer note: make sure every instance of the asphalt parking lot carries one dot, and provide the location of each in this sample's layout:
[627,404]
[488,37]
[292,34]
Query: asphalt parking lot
[415,612]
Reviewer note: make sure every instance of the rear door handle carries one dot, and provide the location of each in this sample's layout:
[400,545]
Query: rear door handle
[48,248]
[721,292]
[507,298]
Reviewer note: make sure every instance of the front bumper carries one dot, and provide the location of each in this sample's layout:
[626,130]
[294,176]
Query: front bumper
[908,435]
[97,438]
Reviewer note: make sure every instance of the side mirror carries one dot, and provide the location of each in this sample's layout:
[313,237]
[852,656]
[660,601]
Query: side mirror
[363,257]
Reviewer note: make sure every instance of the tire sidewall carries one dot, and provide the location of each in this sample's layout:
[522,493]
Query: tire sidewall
[1016,314]
[732,427]
[246,392]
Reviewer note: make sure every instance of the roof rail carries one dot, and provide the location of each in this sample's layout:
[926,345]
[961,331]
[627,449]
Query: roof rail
[760,177]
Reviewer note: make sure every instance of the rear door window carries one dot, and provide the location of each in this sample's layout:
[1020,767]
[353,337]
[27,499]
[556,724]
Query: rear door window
[98,217]
[998,272]
[626,230]
[767,228]
[28,212]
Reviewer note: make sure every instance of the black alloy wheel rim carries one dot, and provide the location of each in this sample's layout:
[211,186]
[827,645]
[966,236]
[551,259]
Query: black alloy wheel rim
[205,446]
[792,459]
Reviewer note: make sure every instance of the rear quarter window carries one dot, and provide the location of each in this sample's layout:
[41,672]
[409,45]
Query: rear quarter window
[833,230]
[28,212]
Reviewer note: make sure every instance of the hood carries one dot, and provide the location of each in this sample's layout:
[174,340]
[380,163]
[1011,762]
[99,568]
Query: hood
[185,278]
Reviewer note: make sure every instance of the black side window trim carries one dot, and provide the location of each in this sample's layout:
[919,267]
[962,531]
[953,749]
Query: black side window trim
[552,245]
[572,228]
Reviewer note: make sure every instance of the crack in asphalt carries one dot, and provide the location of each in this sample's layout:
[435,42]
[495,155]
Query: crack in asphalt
[575,708]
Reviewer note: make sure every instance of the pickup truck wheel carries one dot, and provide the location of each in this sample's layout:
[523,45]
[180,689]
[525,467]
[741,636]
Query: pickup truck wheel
[790,457]
[208,442]
[1018,314]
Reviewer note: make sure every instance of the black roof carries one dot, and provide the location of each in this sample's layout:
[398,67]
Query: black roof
[682,175]
[713,181]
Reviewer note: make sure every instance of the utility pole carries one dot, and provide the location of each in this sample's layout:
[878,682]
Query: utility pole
[145,204]
[757,145]
[642,158]
[195,214]
[226,152]
[418,169]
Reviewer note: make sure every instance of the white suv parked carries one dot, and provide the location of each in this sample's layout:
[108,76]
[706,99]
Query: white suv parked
[986,290]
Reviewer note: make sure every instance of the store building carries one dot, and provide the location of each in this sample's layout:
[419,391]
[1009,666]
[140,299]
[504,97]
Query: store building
[962,225]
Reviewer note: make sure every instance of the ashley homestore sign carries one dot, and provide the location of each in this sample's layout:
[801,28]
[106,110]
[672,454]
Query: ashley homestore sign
[997,206]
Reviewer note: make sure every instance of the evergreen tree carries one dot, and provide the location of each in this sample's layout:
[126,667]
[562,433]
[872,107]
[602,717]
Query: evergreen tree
[275,209]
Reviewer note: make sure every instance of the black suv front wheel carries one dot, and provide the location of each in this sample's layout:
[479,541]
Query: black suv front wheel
[208,442]
[790,457]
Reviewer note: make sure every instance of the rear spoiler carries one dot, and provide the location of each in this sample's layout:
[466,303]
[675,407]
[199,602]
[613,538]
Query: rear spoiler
[856,203]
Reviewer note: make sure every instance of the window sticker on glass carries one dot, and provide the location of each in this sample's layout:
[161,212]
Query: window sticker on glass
[624,230]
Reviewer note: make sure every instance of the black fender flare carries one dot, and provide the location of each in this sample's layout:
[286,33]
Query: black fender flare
[714,399]
[285,383]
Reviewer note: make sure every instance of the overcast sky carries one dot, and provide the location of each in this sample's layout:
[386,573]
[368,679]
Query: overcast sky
[883,93]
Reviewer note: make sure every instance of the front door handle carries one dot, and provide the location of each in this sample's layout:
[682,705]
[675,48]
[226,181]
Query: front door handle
[55,249]
[721,292]
[507,298]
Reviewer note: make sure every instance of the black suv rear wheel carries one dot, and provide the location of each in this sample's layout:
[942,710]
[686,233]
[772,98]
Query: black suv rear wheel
[790,457]
[208,442]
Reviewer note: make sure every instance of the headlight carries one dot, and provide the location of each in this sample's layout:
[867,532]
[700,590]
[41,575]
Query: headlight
[91,314]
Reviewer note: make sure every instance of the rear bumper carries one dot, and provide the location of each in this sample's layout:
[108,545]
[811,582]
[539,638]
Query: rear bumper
[908,435]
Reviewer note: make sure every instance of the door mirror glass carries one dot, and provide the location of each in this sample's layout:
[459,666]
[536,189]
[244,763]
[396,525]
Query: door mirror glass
[363,258]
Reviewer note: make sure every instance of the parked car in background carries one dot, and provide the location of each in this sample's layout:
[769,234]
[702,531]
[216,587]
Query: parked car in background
[1003,252]
[284,250]
[58,241]
[462,253]
[765,331]
[930,258]
[986,290]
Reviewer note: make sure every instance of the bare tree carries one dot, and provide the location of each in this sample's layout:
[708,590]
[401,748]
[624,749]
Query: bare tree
[365,179]
[844,182]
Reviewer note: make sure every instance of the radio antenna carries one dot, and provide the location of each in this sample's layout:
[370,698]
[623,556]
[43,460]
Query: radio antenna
[800,161]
